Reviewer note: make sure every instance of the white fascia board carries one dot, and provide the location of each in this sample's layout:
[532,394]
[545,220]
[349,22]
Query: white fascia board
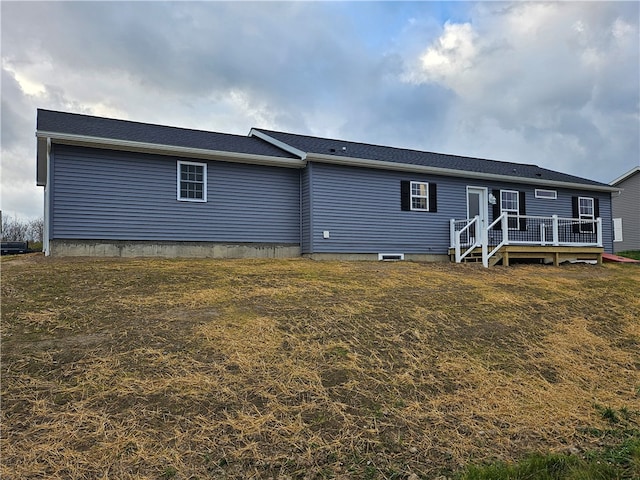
[155,148]
[449,172]
[277,143]
[625,176]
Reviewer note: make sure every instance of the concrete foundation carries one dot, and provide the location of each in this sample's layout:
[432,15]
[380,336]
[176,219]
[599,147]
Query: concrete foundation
[373,257]
[121,248]
[169,249]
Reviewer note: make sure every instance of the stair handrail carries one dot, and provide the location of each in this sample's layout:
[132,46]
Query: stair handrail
[502,219]
[458,234]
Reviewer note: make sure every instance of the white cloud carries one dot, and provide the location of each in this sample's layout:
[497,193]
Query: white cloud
[546,80]
[27,85]
[451,55]
[622,31]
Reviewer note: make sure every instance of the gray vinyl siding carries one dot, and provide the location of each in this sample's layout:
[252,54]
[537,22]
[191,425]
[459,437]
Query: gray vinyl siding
[104,194]
[627,207]
[361,210]
[110,195]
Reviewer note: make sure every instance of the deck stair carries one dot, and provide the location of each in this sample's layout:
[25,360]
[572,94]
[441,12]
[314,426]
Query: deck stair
[475,256]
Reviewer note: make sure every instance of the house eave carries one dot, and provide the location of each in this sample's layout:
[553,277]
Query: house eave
[625,176]
[406,167]
[177,151]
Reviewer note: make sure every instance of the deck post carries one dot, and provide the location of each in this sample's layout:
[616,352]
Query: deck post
[556,237]
[599,230]
[484,235]
[504,225]
[452,232]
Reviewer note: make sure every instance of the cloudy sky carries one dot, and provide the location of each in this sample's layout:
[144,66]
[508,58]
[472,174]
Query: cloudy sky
[554,84]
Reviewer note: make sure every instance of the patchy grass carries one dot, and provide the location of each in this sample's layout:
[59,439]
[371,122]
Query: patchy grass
[620,461]
[153,368]
[635,254]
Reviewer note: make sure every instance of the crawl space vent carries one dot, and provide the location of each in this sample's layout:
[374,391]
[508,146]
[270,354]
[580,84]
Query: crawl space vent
[390,256]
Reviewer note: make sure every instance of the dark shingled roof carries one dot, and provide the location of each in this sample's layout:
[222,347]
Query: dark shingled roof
[317,145]
[90,126]
[108,128]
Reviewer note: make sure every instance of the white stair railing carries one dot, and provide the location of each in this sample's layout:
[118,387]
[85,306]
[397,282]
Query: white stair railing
[456,236]
[504,233]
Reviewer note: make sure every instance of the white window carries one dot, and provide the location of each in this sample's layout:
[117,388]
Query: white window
[420,196]
[586,214]
[509,204]
[548,194]
[617,229]
[192,181]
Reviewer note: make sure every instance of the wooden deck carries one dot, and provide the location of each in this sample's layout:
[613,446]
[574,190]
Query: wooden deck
[546,254]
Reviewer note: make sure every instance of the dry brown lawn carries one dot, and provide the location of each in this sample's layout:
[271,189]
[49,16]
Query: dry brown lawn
[150,369]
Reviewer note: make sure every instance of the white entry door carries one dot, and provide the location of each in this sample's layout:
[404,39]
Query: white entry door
[477,204]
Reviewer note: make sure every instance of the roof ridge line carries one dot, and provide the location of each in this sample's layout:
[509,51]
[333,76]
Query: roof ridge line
[456,155]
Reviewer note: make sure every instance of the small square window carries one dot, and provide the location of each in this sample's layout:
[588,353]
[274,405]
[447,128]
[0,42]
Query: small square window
[586,207]
[192,181]
[420,196]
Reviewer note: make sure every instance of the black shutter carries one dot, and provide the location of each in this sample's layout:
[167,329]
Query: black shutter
[522,210]
[576,214]
[405,195]
[433,197]
[496,208]
[596,213]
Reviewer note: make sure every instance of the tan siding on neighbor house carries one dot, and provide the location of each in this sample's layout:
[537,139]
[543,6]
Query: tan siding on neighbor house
[627,206]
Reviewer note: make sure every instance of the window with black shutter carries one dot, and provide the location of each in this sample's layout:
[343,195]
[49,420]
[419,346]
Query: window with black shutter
[418,196]
[513,203]
[586,210]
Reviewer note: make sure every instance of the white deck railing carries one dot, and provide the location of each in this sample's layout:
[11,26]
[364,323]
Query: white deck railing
[522,230]
[464,233]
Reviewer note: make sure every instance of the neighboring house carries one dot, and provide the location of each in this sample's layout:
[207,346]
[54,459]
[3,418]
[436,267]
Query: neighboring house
[115,187]
[626,211]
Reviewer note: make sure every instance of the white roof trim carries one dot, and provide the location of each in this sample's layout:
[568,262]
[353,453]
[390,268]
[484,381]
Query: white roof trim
[155,148]
[280,144]
[407,167]
[623,177]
